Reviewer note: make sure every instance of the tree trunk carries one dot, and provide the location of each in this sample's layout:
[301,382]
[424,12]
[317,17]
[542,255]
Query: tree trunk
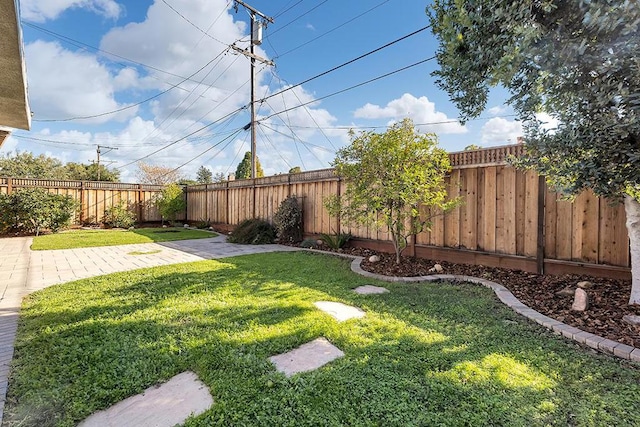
[632,209]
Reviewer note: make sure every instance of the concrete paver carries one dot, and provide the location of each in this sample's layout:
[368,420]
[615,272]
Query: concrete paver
[339,311]
[165,406]
[307,357]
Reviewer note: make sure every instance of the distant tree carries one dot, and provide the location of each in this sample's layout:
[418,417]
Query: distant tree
[187,181]
[160,175]
[575,60]
[171,201]
[83,172]
[295,169]
[389,177]
[25,165]
[219,177]
[243,170]
[204,175]
[472,147]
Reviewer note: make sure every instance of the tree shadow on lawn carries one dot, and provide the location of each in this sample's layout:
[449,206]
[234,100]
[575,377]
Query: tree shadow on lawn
[424,354]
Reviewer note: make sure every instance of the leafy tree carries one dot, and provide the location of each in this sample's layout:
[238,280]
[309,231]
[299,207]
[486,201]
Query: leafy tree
[32,210]
[389,176]
[295,169]
[576,61]
[204,175]
[219,177]
[25,165]
[159,175]
[288,220]
[171,201]
[82,172]
[243,171]
[471,147]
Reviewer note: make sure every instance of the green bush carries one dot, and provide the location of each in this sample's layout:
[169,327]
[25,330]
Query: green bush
[253,232]
[288,221]
[171,202]
[118,216]
[32,210]
[336,241]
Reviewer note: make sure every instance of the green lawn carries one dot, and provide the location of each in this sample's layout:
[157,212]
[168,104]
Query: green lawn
[424,355]
[90,238]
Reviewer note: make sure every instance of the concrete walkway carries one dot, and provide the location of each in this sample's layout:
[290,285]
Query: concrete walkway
[23,271]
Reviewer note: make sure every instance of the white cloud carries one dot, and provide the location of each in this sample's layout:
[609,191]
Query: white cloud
[547,122]
[310,27]
[497,110]
[43,10]
[500,131]
[420,110]
[66,84]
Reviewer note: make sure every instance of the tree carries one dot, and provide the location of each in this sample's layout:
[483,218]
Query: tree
[82,172]
[295,169]
[171,201]
[34,209]
[471,147]
[204,175]
[574,60]
[159,175]
[389,177]
[25,165]
[243,170]
[219,177]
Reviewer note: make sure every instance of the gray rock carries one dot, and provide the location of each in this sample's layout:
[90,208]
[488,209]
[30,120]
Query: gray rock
[566,292]
[585,285]
[186,226]
[631,319]
[580,300]
[374,258]
[319,242]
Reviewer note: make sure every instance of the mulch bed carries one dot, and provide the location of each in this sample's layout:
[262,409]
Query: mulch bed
[608,298]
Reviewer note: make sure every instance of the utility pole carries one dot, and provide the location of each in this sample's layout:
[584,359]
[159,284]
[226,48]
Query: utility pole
[98,153]
[256,39]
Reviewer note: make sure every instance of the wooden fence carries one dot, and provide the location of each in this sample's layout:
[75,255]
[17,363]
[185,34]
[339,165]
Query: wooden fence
[508,217]
[95,197]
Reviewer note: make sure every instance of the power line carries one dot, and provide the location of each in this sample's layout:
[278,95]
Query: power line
[329,31]
[192,24]
[344,64]
[350,87]
[296,18]
[286,8]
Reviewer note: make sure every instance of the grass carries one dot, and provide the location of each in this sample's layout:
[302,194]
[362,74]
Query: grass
[92,238]
[425,354]
[144,252]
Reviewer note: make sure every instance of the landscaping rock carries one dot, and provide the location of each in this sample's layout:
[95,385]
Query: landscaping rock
[319,242]
[437,268]
[186,226]
[580,301]
[567,291]
[585,285]
[631,319]
[374,258]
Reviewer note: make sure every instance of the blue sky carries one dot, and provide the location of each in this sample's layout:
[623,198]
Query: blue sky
[154,48]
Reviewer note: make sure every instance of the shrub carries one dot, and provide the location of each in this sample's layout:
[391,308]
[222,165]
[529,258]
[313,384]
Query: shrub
[309,243]
[118,216]
[336,241]
[171,201]
[253,232]
[32,210]
[288,220]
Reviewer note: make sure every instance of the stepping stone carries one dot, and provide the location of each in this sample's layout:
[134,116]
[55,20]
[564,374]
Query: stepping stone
[370,289]
[165,406]
[339,311]
[307,357]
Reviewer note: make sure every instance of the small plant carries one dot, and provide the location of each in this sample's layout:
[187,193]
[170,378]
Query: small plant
[288,221]
[253,232]
[335,241]
[202,224]
[171,201]
[118,216]
[309,243]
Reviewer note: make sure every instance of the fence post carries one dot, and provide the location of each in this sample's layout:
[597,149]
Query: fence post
[9,185]
[206,201]
[82,202]
[140,203]
[226,192]
[339,194]
[541,210]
